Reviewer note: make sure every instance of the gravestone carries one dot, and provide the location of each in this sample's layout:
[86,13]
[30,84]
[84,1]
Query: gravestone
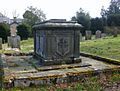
[88,35]
[14,42]
[13,30]
[98,34]
[9,42]
[103,35]
[14,39]
[0,43]
[56,41]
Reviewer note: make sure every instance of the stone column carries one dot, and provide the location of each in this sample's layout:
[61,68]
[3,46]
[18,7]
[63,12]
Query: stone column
[0,43]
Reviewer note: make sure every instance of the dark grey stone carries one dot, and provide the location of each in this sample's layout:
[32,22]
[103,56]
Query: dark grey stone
[14,41]
[56,41]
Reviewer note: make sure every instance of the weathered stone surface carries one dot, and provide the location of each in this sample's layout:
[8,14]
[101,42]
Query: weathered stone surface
[88,35]
[98,34]
[0,43]
[15,75]
[9,41]
[14,41]
[103,35]
[13,29]
[56,41]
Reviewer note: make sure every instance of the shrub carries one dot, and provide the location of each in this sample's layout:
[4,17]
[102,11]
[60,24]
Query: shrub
[112,30]
[23,31]
[4,31]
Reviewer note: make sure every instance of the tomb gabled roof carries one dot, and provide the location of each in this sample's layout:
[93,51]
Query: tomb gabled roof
[57,23]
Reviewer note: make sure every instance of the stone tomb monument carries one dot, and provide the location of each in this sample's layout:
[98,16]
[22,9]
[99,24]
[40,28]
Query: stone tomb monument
[56,41]
[13,39]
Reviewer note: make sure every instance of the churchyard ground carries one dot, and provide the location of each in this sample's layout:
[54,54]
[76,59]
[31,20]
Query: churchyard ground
[107,47]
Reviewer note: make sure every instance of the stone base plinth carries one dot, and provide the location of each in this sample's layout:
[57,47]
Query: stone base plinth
[59,62]
[44,62]
[14,41]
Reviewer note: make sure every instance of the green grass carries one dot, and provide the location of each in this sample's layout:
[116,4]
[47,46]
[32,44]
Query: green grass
[26,46]
[108,47]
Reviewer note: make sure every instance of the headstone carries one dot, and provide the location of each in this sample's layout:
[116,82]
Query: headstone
[103,35]
[88,35]
[98,34]
[13,30]
[8,41]
[57,41]
[14,39]
[0,43]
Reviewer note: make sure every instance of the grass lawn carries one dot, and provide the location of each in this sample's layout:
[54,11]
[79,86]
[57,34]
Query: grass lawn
[26,46]
[108,47]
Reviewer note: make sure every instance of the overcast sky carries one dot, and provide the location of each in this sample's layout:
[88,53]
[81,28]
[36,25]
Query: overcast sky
[61,9]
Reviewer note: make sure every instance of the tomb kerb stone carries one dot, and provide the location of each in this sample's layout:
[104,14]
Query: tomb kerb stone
[56,41]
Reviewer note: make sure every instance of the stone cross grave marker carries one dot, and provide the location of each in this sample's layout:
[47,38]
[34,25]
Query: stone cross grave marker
[14,39]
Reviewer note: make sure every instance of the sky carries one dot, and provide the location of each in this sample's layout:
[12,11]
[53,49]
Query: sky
[54,9]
